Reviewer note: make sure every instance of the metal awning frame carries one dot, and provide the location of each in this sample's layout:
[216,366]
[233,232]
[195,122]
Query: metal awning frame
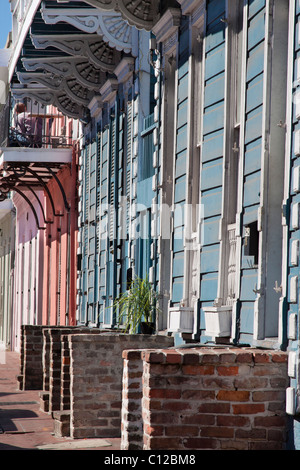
[13,179]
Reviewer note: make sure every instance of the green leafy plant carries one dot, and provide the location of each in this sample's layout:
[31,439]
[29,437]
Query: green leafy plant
[136,305]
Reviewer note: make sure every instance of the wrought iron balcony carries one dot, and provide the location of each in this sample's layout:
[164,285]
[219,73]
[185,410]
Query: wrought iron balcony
[29,160]
[36,127]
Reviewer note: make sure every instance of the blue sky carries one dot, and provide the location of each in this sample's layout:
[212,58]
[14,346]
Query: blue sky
[5,21]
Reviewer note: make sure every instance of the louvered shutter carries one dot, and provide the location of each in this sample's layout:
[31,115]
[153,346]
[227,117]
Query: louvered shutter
[128,161]
[112,179]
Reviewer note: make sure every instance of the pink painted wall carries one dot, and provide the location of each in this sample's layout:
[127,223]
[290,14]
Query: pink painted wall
[28,281]
[60,247]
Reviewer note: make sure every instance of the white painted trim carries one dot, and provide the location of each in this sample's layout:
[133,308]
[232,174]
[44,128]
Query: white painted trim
[290,401]
[292,363]
[295,253]
[296,179]
[294,289]
[167,25]
[292,326]
[15,154]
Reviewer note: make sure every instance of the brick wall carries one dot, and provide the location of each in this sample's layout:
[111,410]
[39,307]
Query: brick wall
[55,368]
[54,362]
[205,398]
[31,363]
[41,361]
[65,402]
[96,370]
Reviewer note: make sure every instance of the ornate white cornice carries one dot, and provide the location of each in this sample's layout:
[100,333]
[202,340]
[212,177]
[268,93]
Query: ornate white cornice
[95,106]
[90,46]
[140,13]
[108,24]
[78,67]
[109,90]
[59,99]
[69,85]
[125,69]
[167,25]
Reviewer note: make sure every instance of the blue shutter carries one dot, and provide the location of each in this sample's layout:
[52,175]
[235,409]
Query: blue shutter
[111,264]
[181,155]
[85,234]
[212,149]
[88,308]
[252,154]
[103,186]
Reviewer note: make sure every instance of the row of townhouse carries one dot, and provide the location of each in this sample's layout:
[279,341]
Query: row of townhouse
[170,151]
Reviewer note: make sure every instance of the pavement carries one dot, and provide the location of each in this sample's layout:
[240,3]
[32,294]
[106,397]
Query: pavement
[24,426]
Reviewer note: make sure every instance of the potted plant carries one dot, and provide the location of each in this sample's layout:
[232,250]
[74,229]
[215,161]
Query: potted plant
[137,306]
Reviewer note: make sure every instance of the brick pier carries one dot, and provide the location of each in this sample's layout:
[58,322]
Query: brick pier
[96,371]
[204,398]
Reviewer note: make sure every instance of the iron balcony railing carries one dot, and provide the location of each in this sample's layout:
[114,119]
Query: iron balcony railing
[35,127]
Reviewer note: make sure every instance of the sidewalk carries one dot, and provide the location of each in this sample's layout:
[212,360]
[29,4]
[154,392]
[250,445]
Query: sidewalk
[24,426]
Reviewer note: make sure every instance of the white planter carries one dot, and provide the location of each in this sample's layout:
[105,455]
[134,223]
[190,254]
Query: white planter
[181,319]
[218,321]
